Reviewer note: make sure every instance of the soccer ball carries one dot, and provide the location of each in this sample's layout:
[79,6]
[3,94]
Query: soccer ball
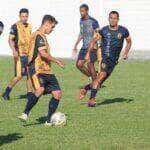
[58,118]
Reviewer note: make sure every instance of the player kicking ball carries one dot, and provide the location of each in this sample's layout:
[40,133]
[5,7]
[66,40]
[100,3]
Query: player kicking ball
[44,81]
[112,39]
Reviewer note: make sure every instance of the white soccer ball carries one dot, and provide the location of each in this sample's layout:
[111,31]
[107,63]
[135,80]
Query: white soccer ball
[58,118]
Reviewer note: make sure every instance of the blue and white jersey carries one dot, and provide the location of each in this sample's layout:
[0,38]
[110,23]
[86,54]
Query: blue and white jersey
[112,42]
[87,28]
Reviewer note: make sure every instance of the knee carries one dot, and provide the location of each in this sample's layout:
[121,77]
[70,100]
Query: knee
[79,65]
[18,78]
[57,95]
[39,91]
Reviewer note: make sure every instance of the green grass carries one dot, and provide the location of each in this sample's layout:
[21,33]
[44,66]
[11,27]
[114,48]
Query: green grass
[121,121]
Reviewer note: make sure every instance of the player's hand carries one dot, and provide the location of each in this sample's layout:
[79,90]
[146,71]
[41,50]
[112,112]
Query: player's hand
[15,54]
[60,63]
[74,52]
[125,56]
[87,57]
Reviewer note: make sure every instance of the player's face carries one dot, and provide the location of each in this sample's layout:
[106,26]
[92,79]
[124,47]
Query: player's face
[24,17]
[49,27]
[83,12]
[113,20]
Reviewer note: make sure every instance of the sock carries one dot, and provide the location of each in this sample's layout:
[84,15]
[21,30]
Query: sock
[53,104]
[32,100]
[93,93]
[7,90]
[87,87]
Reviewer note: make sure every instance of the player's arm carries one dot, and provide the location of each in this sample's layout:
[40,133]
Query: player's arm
[80,37]
[41,45]
[11,41]
[96,40]
[127,47]
[49,58]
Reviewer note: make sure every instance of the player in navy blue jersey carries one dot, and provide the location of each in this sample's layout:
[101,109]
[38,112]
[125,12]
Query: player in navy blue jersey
[111,38]
[88,28]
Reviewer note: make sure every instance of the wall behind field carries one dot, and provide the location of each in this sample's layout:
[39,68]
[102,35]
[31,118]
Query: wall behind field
[135,15]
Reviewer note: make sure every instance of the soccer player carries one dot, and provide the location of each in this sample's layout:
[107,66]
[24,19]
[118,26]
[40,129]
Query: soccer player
[1,27]
[112,38]
[19,40]
[88,26]
[43,79]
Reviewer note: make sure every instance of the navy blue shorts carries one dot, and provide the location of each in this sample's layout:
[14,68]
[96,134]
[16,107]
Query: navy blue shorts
[48,81]
[82,54]
[107,66]
[21,66]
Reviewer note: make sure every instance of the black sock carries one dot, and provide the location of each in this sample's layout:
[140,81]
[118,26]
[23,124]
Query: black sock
[53,104]
[93,93]
[87,87]
[32,100]
[7,90]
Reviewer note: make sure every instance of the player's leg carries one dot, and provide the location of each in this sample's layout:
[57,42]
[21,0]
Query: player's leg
[14,80]
[32,98]
[94,87]
[53,88]
[81,66]
[93,59]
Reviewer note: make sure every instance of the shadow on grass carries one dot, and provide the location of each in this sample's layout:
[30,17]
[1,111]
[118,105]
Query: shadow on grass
[5,139]
[115,100]
[102,86]
[40,120]
[22,96]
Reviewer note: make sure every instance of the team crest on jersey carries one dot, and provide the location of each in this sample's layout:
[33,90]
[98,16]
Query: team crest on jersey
[119,35]
[103,65]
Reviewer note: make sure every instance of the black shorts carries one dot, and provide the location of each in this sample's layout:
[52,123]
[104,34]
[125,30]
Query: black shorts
[48,81]
[82,54]
[107,66]
[21,66]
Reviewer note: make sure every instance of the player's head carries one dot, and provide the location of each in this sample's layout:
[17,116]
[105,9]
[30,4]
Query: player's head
[113,18]
[1,27]
[48,23]
[84,10]
[24,14]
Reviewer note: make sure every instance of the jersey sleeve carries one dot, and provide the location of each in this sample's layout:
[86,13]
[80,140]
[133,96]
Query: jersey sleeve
[126,32]
[40,43]
[13,30]
[95,24]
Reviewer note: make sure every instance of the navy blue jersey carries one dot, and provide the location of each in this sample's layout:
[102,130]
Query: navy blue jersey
[112,42]
[87,27]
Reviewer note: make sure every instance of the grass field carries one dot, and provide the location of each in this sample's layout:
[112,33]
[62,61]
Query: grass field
[121,121]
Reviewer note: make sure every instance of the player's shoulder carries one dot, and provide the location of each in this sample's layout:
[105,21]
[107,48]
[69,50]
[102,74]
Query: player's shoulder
[14,26]
[92,19]
[123,28]
[105,28]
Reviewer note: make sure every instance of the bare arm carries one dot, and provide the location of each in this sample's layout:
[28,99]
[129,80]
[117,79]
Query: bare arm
[49,58]
[127,47]
[12,46]
[80,37]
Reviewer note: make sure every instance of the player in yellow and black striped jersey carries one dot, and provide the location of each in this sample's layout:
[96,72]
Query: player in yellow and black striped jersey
[19,41]
[44,80]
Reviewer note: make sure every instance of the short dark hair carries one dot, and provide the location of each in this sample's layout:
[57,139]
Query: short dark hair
[1,24]
[114,12]
[24,10]
[85,6]
[49,18]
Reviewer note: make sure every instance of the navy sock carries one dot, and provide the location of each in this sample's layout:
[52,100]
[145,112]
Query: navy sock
[87,87]
[32,100]
[7,90]
[93,93]
[53,104]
